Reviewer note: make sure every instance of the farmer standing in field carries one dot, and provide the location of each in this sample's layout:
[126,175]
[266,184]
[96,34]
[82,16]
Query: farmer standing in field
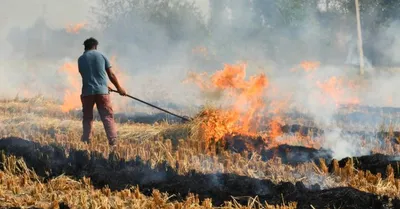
[94,68]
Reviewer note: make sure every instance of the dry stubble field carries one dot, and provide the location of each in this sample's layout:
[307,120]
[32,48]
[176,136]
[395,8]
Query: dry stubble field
[163,165]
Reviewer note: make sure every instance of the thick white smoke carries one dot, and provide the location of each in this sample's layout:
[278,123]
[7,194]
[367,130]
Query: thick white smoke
[155,50]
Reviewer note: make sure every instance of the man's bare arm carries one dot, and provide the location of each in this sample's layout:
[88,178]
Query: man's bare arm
[114,80]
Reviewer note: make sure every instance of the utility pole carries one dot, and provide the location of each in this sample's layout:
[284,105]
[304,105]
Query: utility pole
[360,44]
[327,5]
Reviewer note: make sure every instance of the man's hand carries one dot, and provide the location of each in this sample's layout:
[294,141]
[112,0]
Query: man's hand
[114,81]
[121,91]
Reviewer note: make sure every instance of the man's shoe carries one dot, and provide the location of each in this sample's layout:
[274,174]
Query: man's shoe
[112,142]
[86,141]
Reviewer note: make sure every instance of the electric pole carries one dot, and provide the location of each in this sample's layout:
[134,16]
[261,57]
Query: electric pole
[360,44]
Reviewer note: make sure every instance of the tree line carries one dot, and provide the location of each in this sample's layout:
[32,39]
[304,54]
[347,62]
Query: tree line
[285,31]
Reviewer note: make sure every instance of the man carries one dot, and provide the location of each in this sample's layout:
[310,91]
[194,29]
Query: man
[94,69]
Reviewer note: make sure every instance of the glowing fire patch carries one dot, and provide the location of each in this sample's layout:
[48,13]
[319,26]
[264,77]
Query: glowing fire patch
[71,98]
[75,28]
[336,90]
[242,116]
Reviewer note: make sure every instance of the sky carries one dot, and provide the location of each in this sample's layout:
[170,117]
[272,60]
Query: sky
[23,13]
[58,13]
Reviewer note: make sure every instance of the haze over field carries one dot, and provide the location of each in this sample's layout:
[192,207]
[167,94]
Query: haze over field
[57,13]
[298,50]
[277,108]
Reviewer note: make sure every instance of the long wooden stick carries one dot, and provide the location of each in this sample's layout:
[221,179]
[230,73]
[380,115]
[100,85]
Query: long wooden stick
[360,44]
[151,105]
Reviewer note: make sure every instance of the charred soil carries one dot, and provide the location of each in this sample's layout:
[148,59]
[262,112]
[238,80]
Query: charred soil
[294,155]
[291,155]
[51,161]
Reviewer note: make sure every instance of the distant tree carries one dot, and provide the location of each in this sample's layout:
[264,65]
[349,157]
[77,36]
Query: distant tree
[375,13]
[181,20]
[151,29]
[41,42]
[269,26]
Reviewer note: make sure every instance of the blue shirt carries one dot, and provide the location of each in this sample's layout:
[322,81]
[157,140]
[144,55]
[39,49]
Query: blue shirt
[92,67]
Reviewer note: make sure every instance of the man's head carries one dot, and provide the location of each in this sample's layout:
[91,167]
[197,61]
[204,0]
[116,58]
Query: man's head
[90,43]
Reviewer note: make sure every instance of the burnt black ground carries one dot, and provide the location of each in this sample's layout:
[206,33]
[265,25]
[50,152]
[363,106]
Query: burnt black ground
[315,132]
[120,174]
[291,155]
[376,163]
[294,155]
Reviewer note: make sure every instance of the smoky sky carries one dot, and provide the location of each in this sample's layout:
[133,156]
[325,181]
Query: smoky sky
[23,13]
[270,35]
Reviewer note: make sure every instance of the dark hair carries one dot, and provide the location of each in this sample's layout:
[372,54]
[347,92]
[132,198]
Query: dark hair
[90,43]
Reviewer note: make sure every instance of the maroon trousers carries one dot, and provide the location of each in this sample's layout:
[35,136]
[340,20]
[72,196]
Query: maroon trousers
[106,113]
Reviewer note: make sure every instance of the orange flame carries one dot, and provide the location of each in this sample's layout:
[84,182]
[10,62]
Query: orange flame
[242,116]
[308,66]
[275,129]
[246,93]
[72,94]
[120,104]
[198,79]
[75,28]
[122,78]
[334,91]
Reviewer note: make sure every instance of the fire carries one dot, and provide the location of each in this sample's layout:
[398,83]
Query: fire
[122,78]
[334,90]
[275,129]
[198,79]
[243,114]
[119,104]
[217,123]
[75,28]
[308,66]
[72,94]
[71,99]
[254,111]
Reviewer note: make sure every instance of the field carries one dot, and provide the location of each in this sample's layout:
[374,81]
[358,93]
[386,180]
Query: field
[170,165]
[267,155]
[283,114]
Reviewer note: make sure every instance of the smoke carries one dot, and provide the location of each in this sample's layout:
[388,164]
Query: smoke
[29,56]
[156,43]
[344,146]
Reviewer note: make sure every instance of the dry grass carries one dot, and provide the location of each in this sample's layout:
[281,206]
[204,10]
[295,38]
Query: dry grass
[365,180]
[42,121]
[21,187]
